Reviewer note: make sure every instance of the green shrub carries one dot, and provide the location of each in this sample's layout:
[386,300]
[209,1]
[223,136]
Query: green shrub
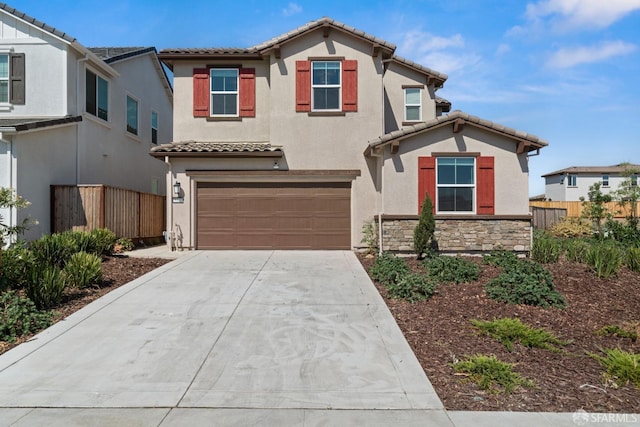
[46,286]
[423,233]
[604,259]
[412,287]
[501,258]
[526,282]
[621,366]
[54,249]
[627,234]
[82,240]
[451,269]
[617,331]
[388,268]
[19,316]
[83,270]
[510,331]
[491,374]
[104,241]
[15,265]
[633,259]
[370,236]
[546,249]
[571,227]
[575,250]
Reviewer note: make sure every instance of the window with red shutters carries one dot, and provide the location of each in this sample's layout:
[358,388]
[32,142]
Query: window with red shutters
[484,183]
[202,92]
[348,85]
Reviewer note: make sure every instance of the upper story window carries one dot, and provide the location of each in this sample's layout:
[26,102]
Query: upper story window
[12,78]
[455,184]
[412,104]
[326,85]
[572,180]
[97,95]
[224,91]
[154,127]
[132,115]
[634,180]
[605,180]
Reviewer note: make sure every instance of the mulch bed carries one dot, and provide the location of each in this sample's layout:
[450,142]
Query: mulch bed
[439,332]
[116,271]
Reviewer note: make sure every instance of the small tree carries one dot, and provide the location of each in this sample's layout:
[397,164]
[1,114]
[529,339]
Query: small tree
[595,209]
[423,233]
[628,193]
[9,199]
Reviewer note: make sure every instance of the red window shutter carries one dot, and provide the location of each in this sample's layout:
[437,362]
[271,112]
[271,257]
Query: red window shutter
[349,85]
[247,92]
[426,180]
[201,92]
[485,185]
[303,85]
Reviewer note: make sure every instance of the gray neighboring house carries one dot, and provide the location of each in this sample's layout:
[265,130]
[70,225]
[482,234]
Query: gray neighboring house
[297,142]
[571,183]
[73,115]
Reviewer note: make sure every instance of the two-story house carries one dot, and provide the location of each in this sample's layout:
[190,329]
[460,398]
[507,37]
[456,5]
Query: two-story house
[73,115]
[299,141]
[572,183]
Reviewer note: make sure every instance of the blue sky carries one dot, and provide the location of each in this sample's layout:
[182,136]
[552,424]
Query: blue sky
[565,70]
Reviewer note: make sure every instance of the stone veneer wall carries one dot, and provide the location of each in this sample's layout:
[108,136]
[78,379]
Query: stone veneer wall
[474,234]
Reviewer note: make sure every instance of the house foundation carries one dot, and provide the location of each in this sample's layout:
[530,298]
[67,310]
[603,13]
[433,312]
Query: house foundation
[460,234]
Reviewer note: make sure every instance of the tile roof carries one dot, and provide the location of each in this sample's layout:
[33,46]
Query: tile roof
[436,74]
[36,23]
[23,124]
[619,168]
[195,147]
[112,54]
[319,23]
[408,131]
[445,104]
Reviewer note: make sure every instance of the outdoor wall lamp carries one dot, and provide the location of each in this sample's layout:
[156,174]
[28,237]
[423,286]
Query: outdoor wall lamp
[176,188]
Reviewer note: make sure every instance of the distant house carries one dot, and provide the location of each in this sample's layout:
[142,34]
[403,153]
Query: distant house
[573,182]
[298,142]
[73,115]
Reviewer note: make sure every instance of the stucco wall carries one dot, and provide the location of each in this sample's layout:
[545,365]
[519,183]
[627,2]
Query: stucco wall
[395,77]
[401,169]
[557,186]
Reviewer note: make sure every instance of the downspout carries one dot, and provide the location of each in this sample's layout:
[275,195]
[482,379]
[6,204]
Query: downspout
[380,201]
[169,234]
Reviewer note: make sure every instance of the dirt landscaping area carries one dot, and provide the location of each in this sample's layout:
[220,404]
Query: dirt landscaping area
[440,332]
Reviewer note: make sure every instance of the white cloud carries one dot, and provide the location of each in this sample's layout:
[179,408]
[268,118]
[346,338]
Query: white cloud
[569,57]
[444,54]
[571,14]
[292,9]
[502,49]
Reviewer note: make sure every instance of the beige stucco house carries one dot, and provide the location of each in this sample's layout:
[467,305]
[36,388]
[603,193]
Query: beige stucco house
[73,115]
[299,141]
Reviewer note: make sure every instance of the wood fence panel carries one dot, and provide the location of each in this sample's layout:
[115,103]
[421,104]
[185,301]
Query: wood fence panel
[545,218]
[574,209]
[125,212]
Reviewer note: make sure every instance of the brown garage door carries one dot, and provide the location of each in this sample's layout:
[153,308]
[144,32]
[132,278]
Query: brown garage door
[274,215]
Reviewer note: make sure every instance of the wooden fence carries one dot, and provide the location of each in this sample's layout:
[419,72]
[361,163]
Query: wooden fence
[545,218]
[125,212]
[574,209]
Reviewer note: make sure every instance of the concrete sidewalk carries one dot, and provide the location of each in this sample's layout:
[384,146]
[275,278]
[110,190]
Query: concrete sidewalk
[233,338]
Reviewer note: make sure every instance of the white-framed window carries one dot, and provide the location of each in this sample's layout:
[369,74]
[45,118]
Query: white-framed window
[572,180]
[154,127]
[605,180]
[132,115]
[97,95]
[4,78]
[412,104]
[634,180]
[455,184]
[326,85]
[224,91]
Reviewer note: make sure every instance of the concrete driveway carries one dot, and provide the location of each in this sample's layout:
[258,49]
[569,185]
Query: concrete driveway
[225,338]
